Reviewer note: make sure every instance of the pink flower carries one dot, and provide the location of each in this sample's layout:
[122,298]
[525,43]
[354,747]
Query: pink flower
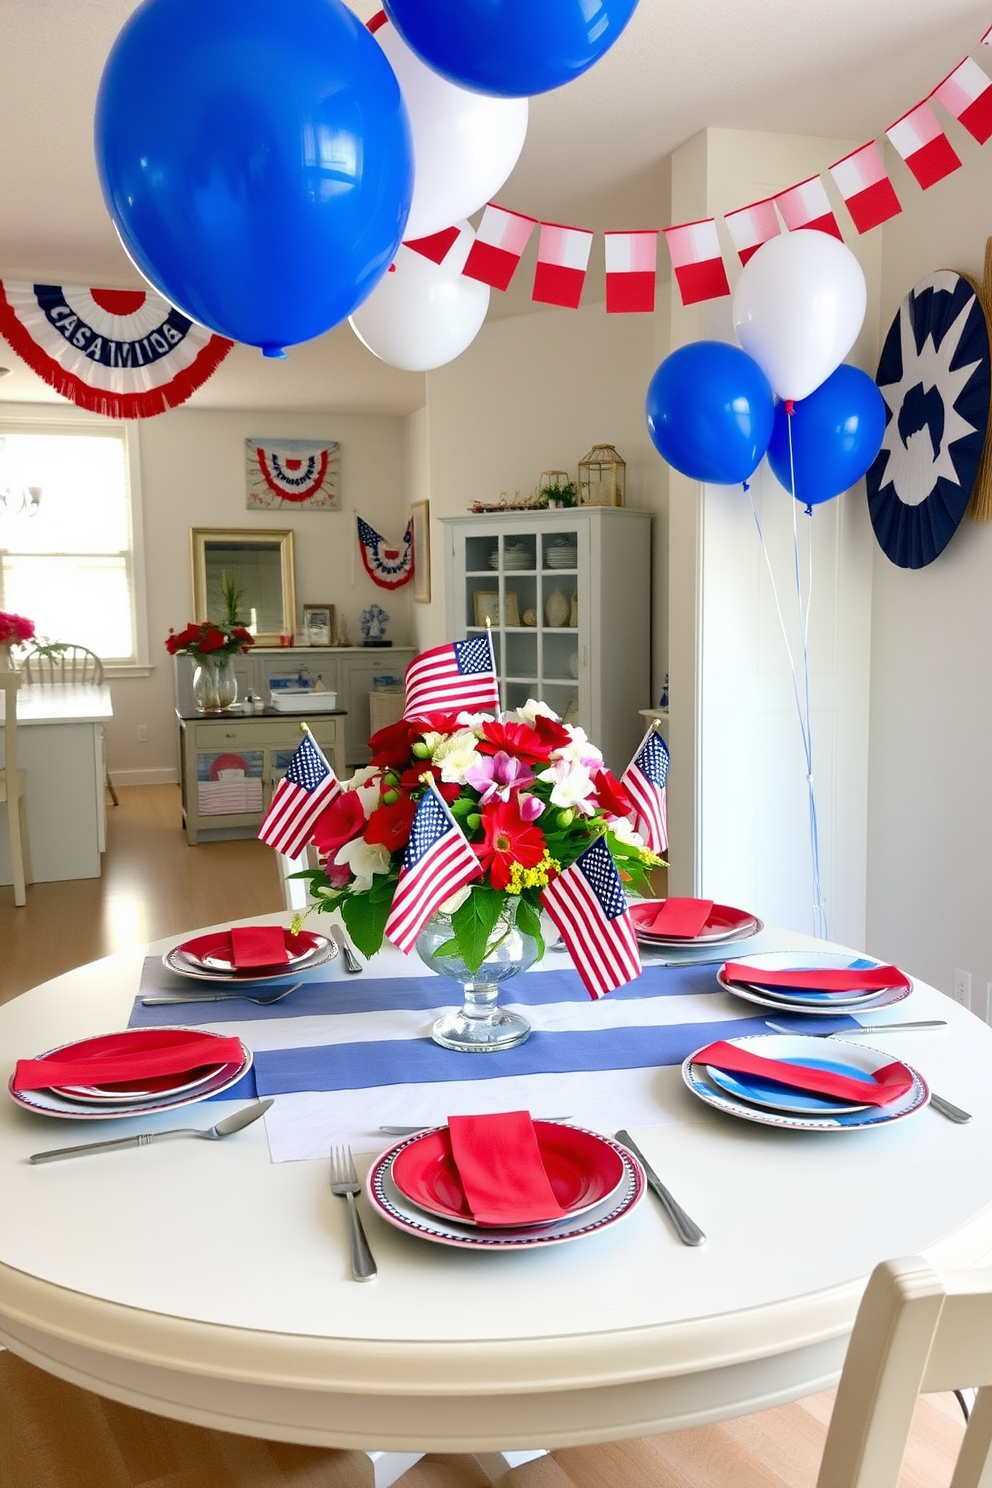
[498,775]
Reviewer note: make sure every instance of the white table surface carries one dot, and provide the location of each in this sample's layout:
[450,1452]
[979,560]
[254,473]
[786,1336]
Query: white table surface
[207,1283]
[62,702]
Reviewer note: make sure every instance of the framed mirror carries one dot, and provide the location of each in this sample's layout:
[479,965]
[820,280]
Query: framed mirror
[260,563]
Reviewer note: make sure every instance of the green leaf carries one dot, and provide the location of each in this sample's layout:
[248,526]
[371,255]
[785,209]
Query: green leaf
[474,921]
[365,916]
[529,923]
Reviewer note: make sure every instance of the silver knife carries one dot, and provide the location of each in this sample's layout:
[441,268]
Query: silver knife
[686,1229]
[351,961]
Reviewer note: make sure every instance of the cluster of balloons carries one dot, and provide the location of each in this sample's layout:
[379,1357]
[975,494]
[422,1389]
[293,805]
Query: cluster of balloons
[263,160]
[797,309]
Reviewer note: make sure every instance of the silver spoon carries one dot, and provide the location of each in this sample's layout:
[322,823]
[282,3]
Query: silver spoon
[224,1128]
[265,1001]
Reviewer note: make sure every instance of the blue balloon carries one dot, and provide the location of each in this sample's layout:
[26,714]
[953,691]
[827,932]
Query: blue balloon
[255,156]
[510,48]
[710,411]
[836,434]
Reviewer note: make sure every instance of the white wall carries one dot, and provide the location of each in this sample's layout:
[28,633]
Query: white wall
[930,807]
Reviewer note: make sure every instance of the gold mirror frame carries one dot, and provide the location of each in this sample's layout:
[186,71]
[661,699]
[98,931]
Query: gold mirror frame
[201,540]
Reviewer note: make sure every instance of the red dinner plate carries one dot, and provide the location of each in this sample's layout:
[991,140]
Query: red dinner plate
[213,951]
[130,1041]
[583,1170]
[724,920]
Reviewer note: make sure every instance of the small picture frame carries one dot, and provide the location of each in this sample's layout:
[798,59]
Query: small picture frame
[318,623]
[420,517]
[512,608]
[486,606]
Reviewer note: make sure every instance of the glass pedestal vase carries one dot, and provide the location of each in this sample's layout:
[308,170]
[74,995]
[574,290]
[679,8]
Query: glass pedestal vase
[480,1025]
[215,687]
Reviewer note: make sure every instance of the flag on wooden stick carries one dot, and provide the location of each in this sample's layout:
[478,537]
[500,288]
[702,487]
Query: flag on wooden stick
[438,861]
[450,678]
[645,781]
[308,786]
[587,904]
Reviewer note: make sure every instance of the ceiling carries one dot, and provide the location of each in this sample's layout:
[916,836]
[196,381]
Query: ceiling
[595,154]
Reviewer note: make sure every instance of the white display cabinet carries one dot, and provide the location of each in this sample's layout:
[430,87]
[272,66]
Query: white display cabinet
[569,596]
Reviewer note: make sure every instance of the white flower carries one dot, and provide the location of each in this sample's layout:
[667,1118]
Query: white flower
[533,709]
[624,832]
[454,754]
[572,786]
[456,900]
[580,749]
[366,782]
[364,859]
[474,721]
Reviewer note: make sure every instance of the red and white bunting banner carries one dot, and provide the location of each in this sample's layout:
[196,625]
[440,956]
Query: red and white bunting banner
[562,259]
[499,243]
[966,93]
[863,182]
[631,271]
[923,145]
[124,353]
[751,226]
[694,248]
[437,246]
[808,205]
[987,38]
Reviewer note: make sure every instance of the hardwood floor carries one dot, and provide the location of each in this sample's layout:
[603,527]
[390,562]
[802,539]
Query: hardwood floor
[54,1435]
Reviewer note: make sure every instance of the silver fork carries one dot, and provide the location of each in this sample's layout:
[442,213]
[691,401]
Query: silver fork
[344,1183]
[265,1001]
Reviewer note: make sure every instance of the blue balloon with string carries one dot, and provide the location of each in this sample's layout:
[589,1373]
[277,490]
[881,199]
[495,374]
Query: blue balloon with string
[835,435]
[710,411]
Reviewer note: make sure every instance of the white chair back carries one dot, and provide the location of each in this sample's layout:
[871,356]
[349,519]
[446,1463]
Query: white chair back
[75,665]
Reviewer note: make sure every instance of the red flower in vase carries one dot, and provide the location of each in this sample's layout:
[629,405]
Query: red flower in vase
[517,739]
[508,839]
[391,824]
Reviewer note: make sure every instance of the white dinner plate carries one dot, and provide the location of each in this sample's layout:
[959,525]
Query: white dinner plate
[789,1046]
[817,1003]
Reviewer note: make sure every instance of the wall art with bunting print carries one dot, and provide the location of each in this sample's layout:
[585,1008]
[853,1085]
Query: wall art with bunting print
[301,474]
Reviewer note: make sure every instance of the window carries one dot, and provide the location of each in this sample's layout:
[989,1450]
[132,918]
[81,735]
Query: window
[69,563]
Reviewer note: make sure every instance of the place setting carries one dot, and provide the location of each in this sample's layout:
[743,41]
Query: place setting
[256,953]
[815,982]
[686,925]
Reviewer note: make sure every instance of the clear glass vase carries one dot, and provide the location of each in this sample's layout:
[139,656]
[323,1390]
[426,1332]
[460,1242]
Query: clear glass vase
[215,687]
[480,1026]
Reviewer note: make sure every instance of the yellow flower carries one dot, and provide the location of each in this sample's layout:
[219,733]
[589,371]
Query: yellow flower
[532,878]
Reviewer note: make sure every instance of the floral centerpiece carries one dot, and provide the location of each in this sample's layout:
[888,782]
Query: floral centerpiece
[14,630]
[215,686]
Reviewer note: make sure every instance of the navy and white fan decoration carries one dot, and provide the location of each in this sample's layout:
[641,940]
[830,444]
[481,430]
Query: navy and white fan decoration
[390,565]
[935,378]
[294,473]
[123,353]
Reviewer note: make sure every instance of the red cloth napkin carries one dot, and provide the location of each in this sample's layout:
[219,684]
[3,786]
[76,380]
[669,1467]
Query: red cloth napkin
[499,1164]
[258,945]
[818,979]
[172,1057]
[681,917]
[882,1087]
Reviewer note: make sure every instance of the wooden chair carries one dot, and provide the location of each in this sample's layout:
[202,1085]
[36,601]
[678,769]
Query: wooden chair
[13,786]
[917,1331]
[75,666]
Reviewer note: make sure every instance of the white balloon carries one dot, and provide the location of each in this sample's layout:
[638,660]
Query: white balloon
[422,314]
[464,144]
[798,307]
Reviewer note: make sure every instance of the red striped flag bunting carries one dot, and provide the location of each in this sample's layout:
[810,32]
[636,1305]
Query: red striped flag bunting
[694,248]
[631,271]
[437,246]
[987,38]
[453,677]
[308,786]
[751,226]
[808,205]
[499,243]
[562,259]
[587,904]
[966,93]
[923,145]
[645,781]
[437,863]
[863,182]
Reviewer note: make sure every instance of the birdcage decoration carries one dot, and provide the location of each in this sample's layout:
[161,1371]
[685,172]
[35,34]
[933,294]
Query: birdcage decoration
[602,477]
[556,488]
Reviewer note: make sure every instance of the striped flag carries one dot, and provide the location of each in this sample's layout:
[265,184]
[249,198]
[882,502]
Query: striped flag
[966,93]
[863,182]
[751,226]
[587,905]
[923,145]
[645,781]
[631,271]
[694,248]
[450,678]
[501,239]
[301,795]
[562,259]
[808,205]
[438,861]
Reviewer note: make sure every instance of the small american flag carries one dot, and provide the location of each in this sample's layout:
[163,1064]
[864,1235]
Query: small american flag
[644,779]
[586,903]
[301,795]
[453,677]
[438,861]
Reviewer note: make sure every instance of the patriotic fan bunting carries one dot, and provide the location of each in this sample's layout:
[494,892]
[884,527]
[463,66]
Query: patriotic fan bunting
[694,248]
[293,472]
[863,182]
[966,94]
[499,243]
[752,226]
[387,564]
[123,353]
[645,780]
[631,271]
[437,863]
[807,205]
[924,146]
[450,678]
[587,905]
[562,258]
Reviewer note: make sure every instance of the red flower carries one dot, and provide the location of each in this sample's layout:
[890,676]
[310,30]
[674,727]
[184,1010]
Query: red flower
[391,825]
[212,639]
[611,795]
[393,745]
[438,723]
[412,779]
[508,840]
[338,823]
[14,628]
[517,739]
[551,732]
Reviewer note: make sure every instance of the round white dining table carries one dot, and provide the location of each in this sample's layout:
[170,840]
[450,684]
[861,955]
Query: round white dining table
[202,1281]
